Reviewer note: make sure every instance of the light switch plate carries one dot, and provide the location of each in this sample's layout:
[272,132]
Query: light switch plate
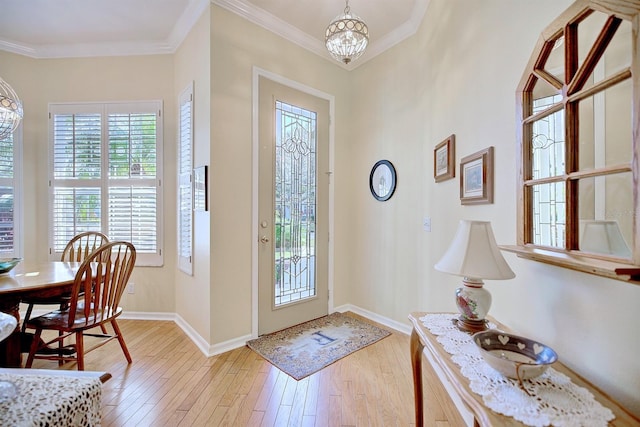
[426,223]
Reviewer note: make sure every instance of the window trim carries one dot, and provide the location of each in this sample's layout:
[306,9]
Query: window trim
[626,270]
[105,108]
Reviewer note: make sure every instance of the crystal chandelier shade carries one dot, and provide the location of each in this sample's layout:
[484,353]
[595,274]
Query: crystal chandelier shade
[347,36]
[10,110]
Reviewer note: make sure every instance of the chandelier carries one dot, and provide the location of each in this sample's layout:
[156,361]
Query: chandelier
[10,110]
[347,36]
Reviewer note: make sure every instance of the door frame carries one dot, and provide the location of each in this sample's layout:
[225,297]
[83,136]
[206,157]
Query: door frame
[257,73]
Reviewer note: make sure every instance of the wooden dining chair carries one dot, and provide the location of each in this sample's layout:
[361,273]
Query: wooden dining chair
[76,250]
[95,298]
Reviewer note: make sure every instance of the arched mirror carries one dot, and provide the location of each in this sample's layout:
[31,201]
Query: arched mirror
[578,103]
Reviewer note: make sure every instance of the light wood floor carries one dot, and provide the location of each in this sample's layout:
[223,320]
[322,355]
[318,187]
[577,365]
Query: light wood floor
[171,383]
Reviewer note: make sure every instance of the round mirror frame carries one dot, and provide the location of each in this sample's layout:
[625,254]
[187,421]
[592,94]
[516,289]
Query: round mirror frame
[382,180]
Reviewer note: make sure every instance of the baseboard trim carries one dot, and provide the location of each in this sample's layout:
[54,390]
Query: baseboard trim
[398,326]
[143,315]
[210,350]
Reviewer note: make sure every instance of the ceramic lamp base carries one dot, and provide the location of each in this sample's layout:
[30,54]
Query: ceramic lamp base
[473,302]
[471,326]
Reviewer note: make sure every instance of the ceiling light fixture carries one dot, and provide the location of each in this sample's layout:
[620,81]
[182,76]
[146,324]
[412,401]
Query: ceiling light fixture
[10,110]
[347,36]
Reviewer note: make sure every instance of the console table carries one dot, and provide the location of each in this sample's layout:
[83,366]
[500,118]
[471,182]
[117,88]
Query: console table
[422,338]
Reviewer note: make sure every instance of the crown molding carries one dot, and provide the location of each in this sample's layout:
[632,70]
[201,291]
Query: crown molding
[190,16]
[185,23]
[278,26]
[15,47]
[275,25]
[404,31]
[180,30]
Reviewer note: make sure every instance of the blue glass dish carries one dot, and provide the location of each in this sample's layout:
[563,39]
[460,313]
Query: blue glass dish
[6,264]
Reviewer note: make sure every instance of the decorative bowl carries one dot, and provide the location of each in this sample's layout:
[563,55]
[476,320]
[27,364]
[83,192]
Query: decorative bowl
[514,356]
[6,264]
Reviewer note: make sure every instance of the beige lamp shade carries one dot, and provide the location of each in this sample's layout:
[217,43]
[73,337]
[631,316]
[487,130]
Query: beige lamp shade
[474,253]
[603,237]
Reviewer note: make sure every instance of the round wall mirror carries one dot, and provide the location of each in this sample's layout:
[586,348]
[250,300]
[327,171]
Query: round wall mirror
[382,180]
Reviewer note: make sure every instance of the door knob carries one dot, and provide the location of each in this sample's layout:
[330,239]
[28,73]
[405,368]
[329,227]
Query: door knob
[264,239]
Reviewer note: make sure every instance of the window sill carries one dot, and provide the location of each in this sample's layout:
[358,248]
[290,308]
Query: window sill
[605,268]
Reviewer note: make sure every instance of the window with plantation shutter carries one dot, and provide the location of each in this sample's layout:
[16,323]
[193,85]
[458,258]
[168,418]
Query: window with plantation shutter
[10,222]
[105,174]
[185,167]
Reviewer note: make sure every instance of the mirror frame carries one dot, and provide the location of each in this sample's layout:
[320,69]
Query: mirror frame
[567,24]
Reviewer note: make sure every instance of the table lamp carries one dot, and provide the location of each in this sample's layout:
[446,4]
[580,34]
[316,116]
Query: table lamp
[474,255]
[603,237]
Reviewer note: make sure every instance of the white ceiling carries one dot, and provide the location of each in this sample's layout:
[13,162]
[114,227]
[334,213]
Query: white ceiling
[83,28]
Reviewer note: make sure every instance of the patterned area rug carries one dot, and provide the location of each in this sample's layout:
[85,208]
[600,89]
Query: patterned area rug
[304,349]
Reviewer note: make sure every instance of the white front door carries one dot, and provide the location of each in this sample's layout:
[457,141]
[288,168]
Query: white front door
[293,214]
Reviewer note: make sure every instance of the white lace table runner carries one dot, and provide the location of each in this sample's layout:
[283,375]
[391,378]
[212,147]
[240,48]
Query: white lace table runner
[553,399]
[49,400]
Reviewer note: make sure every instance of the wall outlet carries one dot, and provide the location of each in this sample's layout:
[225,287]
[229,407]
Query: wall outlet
[131,288]
[426,223]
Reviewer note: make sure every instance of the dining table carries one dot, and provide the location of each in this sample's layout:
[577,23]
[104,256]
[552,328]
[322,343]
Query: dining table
[30,279]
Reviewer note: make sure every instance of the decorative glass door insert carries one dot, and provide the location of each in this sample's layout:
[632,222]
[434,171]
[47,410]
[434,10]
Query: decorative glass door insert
[295,204]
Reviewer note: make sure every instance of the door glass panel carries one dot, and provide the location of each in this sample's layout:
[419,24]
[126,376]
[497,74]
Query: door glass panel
[547,143]
[295,204]
[549,207]
[606,214]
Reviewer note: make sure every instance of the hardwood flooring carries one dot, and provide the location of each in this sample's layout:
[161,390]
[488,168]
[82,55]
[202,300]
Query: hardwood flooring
[171,383]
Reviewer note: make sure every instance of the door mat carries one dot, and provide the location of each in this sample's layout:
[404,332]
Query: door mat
[301,350]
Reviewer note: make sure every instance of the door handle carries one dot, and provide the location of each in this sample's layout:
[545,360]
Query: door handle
[264,239]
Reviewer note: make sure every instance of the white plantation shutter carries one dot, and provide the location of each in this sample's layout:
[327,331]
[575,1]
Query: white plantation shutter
[76,148]
[106,175]
[76,209]
[9,193]
[185,167]
[76,173]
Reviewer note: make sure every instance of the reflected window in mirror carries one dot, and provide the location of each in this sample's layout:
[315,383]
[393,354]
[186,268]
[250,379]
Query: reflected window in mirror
[578,106]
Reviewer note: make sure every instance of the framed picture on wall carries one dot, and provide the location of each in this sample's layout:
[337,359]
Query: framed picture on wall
[444,159]
[200,199]
[476,178]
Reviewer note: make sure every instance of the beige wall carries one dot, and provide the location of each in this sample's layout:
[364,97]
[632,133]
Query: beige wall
[193,66]
[39,82]
[459,75]
[238,46]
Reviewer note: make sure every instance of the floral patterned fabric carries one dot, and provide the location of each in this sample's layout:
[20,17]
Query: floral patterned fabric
[49,400]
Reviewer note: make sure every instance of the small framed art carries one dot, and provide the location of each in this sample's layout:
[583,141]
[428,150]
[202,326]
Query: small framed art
[444,159]
[476,178]
[200,198]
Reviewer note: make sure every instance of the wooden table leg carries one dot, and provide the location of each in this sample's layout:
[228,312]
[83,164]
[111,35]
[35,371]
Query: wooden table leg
[416,363]
[10,348]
